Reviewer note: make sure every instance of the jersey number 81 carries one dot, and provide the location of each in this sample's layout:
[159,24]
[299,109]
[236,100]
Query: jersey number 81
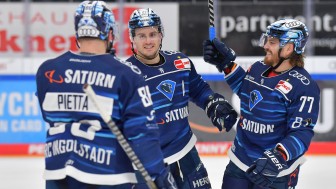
[145,96]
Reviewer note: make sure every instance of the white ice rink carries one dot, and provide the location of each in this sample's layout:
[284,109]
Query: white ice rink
[26,173]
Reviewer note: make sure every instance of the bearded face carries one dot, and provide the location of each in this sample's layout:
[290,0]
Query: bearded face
[271,48]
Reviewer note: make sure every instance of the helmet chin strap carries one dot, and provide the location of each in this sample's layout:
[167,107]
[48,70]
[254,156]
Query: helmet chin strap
[109,43]
[77,43]
[281,59]
[109,48]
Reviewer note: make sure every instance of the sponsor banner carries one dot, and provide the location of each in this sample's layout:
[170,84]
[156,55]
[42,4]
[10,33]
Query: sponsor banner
[213,148]
[34,149]
[203,148]
[48,29]
[20,116]
[240,25]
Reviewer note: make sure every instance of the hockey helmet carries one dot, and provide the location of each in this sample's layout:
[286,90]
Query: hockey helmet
[287,31]
[144,18]
[94,19]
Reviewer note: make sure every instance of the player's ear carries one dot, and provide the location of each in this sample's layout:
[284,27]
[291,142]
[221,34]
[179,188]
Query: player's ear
[289,49]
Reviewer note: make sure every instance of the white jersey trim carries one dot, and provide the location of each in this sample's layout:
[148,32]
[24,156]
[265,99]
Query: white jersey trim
[159,75]
[177,156]
[89,178]
[244,167]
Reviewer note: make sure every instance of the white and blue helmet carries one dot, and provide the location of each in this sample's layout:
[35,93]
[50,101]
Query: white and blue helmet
[144,18]
[94,19]
[287,31]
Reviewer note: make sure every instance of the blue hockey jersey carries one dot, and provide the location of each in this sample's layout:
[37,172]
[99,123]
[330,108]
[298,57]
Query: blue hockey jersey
[172,84]
[280,110]
[79,143]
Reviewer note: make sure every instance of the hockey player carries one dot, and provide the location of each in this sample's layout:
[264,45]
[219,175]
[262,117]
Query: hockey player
[279,108]
[173,81]
[81,151]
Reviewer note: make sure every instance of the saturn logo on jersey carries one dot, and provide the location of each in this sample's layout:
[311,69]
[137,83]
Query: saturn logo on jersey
[255,98]
[176,114]
[81,77]
[167,88]
[256,127]
[50,76]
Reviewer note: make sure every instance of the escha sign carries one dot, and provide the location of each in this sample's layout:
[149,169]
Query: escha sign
[48,30]
[20,117]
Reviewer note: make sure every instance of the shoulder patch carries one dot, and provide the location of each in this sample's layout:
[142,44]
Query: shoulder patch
[183,63]
[284,86]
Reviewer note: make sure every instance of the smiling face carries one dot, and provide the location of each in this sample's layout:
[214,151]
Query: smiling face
[147,42]
[271,48]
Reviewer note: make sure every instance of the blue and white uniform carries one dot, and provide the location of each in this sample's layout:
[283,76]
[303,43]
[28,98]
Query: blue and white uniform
[280,110]
[79,144]
[172,84]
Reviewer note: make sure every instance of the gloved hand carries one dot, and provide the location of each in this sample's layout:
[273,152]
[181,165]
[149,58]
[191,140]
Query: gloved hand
[218,54]
[165,180]
[220,112]
[265,170]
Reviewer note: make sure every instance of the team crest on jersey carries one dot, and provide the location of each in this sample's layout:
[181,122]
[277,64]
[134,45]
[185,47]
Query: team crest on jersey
[284,86]
[167,88]
[255,98]
[183,63]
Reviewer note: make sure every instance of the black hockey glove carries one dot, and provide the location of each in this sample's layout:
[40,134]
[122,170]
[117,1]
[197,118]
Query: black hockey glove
[165,180]
[218,54]
[265,170]
[220,112]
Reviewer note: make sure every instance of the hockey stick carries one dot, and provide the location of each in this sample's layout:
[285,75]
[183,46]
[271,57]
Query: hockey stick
[212,30]
[120,137]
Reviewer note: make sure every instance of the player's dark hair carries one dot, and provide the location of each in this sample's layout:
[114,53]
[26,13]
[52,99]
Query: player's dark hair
[297,60]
